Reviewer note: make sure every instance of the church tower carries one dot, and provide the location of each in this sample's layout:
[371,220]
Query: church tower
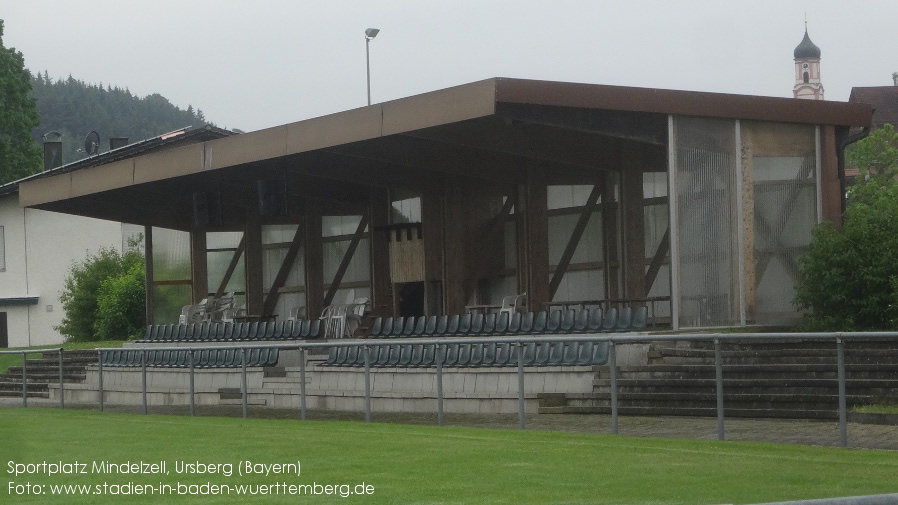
[807,69]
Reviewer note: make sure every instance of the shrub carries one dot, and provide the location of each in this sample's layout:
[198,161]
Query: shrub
[849,275]
[121,306]
[110,274]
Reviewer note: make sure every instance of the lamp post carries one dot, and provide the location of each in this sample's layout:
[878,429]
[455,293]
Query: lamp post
[370,33]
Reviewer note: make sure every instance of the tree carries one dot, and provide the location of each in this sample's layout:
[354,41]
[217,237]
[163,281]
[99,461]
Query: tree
[19,154]
[104,296]
[849,275]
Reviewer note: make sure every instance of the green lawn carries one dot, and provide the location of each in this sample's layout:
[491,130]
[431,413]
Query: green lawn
[430,465]
[8,360]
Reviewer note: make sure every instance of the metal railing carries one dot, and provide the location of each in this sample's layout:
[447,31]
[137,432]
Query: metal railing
[517,341]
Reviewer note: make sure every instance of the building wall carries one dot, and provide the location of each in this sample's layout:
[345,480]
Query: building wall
[40,249]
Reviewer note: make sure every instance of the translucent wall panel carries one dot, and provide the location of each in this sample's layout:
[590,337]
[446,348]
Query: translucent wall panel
[168,302]
[584,279]
[780,174]
[171,255]
[171,274]
[656,223]
[356,282]
[220,250]
[705,159]
[276,242]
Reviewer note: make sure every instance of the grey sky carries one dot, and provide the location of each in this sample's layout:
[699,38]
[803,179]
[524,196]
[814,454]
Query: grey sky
[255,64]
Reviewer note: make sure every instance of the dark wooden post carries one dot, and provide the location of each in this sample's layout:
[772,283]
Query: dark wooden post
[314,260]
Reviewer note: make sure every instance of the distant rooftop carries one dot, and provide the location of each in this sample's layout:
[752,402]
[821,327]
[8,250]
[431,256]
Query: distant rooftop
[884,100]
[179,137]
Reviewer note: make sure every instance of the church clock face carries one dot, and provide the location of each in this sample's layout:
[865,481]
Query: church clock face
[805,66]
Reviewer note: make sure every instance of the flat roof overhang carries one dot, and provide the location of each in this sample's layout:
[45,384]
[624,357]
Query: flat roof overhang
[493,129]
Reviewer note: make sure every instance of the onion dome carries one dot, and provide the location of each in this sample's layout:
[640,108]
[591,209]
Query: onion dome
[806,49]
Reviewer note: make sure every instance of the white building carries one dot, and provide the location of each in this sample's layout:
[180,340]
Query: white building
[38,247]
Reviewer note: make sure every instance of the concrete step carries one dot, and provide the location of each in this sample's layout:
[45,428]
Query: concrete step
[16,387]
[753,400]
[755,382]
[692,412]
[52,377]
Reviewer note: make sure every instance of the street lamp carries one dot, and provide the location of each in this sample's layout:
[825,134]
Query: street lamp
[370,33]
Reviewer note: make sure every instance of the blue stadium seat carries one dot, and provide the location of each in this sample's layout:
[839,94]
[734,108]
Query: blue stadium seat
[476,324]
[489,324]
[640,316]
[501,327]
[624,317]
[568,319]
[376,327]
[452,325]
[504,354]
[464,325]
[553,322]
[581,323]
[476,358]
[464,355]
[409,328]
[430,327]
[442,324]
[539,322]
[398,326]
[420,325]
[610,320]
[595,321]
[489,354]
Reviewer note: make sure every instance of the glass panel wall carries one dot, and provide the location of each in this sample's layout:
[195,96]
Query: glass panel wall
[276,242]
[780,170]
[171,274]
[585,276]
[338,232]
[705,165]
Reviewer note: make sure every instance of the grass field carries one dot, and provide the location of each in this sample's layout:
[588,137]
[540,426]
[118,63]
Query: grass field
[425,465]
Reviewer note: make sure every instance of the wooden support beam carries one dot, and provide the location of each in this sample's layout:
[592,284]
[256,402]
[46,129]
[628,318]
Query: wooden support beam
[610,232]
[274,292]
[830,185]
[379,209]
[657,261]
[588,209]
[314,260]
[344,264]
[633,223]
[454,257]
[488,249]
[232,266]
[253,238]
[199,272]
[537,239]
[750,263]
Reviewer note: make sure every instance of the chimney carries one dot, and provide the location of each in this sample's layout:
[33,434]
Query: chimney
[116,142]
[52,150]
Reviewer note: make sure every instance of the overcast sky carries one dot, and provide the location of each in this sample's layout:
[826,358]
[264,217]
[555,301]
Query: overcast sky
[261,63]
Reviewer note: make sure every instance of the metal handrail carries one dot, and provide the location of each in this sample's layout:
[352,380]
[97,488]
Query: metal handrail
[614,339]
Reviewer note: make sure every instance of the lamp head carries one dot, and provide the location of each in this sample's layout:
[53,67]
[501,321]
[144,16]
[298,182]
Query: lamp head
[370,33]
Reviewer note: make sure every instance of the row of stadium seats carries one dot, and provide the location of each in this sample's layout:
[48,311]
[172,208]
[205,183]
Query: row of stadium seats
[559,353]
[528,323]
[231,332]
[202,358]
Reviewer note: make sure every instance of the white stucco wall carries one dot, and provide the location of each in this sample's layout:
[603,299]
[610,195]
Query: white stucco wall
[40,249]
